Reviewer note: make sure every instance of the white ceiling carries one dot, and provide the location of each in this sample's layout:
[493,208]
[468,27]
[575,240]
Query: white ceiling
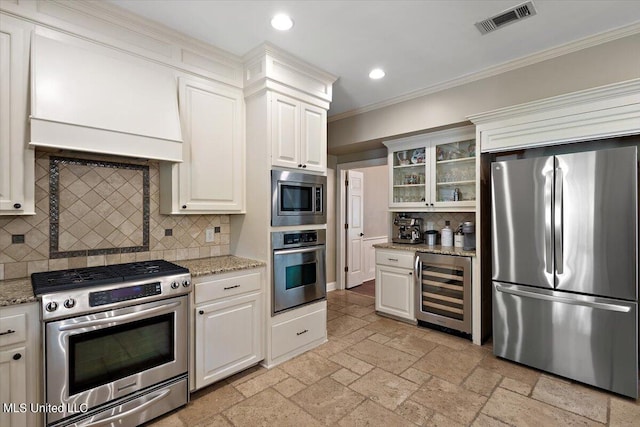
[420,44]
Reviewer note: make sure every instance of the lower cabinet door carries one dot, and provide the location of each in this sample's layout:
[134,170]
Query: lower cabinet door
[394,292]
[13,391]
[229,337]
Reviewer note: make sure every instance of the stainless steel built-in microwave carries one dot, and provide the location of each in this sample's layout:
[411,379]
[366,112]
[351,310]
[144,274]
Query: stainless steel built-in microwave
[297,198]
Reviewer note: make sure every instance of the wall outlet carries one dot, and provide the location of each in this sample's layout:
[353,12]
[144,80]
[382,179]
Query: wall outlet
[209,235]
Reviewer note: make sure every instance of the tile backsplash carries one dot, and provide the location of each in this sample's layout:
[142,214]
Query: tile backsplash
[101,219]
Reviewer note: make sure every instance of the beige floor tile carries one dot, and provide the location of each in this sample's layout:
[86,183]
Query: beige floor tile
[624,412]
[384,326]
[354,364]
[357,336]
[412,344]
[384,388]
[518,410]
[442,338]
[269,408]
[370,414]
[344,326]
[356,310]
[414,412]
[483,420]
[450,400]
[261,382]
[516,386]
[373,317]
[216,421]
[333,314]
[448,364]
[246,375]
[482,381]
[576,398]
[439,420]
[331,347]
[345,376]
[511,370]
[289,387]
[415,376]
[328,400]
[208,402]
[363,300]
[379,338]
[309,367]
[387,358]
[169,420]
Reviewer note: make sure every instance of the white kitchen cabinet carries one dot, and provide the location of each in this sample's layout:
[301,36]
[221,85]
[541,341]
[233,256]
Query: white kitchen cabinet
[20,364]
[211,179]
[395,283]
[434,171]
[229,327]
[17,161]
[299,134]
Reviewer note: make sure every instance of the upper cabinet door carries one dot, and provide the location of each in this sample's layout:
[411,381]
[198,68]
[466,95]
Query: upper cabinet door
[211,177]
[16,160]
[285,131]
[313,143]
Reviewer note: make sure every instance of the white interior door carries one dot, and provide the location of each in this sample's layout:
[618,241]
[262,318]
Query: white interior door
[355,230]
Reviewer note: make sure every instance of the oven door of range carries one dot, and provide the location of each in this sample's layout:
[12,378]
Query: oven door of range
[298,277]
[93,359]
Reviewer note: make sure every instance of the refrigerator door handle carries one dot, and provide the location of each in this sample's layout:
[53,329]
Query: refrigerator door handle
[548,240]
[592,304]
[557,221]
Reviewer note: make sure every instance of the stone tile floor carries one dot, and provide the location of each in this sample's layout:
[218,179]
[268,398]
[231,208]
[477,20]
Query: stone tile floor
[375,371]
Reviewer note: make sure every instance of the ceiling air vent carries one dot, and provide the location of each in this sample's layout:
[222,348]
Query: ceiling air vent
[516,13]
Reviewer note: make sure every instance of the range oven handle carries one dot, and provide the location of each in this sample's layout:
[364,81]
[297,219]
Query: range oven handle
[160,395]
[298,250]
[120,318]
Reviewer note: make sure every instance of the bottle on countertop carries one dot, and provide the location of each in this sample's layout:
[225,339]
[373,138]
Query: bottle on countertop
[458,238]
[447,235]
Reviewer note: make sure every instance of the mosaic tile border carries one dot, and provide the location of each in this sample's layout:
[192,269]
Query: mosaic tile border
[54,207]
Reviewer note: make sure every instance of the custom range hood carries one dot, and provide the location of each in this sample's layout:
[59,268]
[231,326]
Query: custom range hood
[87,97]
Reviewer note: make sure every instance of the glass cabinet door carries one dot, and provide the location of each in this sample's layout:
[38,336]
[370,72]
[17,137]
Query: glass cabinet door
[454,173]
[410,180]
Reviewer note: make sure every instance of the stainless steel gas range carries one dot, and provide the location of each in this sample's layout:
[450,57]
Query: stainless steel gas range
[116,342]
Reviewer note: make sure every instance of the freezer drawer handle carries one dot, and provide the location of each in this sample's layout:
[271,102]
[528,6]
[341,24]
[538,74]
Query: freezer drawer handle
[599,305]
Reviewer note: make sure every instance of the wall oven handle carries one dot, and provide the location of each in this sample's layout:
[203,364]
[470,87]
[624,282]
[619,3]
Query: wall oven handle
[123,317]
[591,304]
[297,250]
[160,395]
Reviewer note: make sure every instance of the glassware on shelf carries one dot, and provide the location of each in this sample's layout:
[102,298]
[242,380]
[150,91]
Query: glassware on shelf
[403,158]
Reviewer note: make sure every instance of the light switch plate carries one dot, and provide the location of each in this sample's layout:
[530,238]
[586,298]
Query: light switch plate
[209,235]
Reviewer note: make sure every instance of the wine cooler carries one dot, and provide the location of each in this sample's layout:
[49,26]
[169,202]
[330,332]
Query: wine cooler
[443,291]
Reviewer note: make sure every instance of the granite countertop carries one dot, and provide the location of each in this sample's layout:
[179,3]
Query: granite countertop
[19,291]
[442,250]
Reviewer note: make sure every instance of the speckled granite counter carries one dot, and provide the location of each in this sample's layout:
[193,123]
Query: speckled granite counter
[442,250]
[219,264]
[19,291]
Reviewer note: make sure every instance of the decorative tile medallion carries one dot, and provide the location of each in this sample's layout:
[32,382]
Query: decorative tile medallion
[97,207]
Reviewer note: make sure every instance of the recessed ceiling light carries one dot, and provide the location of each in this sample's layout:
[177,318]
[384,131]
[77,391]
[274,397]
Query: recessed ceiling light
[282,22]
[376,73]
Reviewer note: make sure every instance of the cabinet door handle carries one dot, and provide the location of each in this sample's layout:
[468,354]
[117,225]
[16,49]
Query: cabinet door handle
[393,259]
[231,287]
[9,331]
[302,332]
[410,273]
[184,206]
[201,312]
[17,356]
[304,166]
[17,205]
[300,165]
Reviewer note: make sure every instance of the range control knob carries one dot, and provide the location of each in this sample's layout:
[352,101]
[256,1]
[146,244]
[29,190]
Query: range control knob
[70,303]
[175,285]
[52,306]
[186,283]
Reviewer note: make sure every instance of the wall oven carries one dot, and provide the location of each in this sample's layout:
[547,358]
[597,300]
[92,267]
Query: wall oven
[297,198]
[116,346]
[299,275]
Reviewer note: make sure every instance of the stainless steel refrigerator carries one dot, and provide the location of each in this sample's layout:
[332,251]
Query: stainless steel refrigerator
[565,265]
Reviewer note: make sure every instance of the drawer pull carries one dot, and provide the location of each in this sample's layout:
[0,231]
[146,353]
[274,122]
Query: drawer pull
[302,332]
[9,331]
[231,287]
[17,356]
[393,259]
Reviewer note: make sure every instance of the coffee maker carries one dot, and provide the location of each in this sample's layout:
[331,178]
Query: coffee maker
[407,230]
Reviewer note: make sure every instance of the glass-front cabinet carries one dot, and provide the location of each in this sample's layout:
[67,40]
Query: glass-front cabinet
[436,170]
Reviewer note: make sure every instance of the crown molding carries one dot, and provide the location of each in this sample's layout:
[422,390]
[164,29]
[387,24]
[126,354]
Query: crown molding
[495,70]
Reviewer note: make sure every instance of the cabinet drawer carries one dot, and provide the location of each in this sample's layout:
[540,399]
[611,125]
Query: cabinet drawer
[298,332]
[13,329]
[402,259]
[227,286]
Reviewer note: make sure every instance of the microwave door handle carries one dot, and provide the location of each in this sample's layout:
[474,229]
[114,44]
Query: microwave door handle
[297,250]
[161,395]
[120,318]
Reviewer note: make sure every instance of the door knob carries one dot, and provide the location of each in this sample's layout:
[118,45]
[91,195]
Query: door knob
[361,234]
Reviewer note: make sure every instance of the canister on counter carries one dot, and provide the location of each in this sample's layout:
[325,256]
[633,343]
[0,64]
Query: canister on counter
[430,237]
